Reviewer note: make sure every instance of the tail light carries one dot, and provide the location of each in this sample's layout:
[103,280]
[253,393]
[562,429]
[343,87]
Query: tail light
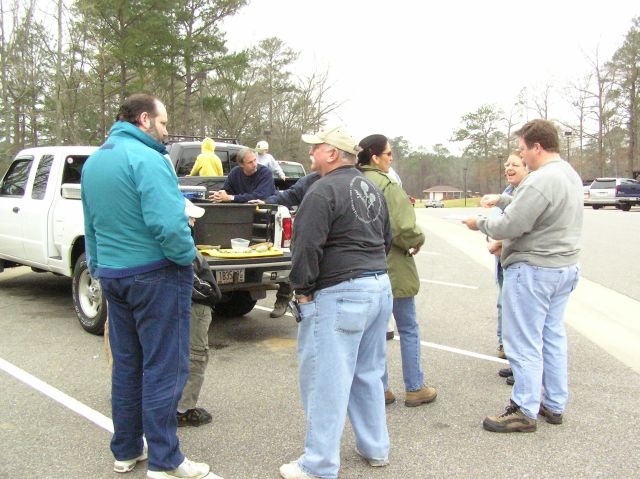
[287,232]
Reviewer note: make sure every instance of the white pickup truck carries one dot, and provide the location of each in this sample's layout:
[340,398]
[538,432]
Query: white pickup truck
[42,226]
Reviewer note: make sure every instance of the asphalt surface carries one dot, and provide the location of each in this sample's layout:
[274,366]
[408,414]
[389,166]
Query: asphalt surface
[251,386]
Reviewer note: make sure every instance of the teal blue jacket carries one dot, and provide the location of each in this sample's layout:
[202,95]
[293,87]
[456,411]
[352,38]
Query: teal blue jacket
[134,214]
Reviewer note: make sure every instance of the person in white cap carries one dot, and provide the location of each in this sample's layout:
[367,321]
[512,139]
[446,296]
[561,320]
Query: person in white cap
[204,295]
[343,301]
[266,159]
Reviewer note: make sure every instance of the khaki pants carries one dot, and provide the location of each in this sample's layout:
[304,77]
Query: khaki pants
[198,355]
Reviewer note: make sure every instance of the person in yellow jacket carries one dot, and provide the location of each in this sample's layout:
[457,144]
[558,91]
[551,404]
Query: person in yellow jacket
[207,163]
[374,160]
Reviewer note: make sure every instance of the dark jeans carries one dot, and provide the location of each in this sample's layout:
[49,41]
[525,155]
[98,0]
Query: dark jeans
[149,333]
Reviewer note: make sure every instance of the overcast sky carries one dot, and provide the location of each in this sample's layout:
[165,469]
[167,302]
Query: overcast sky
[413,68]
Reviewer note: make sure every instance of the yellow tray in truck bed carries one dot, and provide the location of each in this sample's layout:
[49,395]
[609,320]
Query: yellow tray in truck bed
[229,253]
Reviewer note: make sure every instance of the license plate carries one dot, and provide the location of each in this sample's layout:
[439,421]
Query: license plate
[231,276]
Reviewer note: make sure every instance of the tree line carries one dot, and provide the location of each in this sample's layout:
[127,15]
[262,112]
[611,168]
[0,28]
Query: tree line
[64,75]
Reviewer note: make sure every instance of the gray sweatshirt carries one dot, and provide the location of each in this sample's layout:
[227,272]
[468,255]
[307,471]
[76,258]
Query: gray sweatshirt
[542,222]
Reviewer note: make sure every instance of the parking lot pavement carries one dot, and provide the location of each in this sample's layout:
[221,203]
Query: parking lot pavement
[251,389]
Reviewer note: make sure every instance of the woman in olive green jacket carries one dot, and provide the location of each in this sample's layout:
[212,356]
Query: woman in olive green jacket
[374,161]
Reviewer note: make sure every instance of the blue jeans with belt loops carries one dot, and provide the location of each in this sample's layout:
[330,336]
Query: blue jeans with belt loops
[149,318]
[534,300]
[341,354]
[404,310]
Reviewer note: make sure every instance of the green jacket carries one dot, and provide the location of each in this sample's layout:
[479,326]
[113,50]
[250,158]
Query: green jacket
[406,234]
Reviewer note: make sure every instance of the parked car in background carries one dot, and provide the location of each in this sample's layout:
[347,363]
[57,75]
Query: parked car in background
[433,204]
[586,184]
[293,172]
[621,193]
[292,169]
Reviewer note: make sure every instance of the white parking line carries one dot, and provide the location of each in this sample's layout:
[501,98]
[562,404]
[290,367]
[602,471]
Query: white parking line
[444,283]
[427,344]
[57,395]
[268,310]
[463,352]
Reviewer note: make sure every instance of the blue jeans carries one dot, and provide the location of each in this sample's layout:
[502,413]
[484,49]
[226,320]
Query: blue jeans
[534,300]
[404,310]
[149,334]
[342,351]
[500,279]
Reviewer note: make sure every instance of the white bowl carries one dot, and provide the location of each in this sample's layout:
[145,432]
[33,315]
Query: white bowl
[239,244]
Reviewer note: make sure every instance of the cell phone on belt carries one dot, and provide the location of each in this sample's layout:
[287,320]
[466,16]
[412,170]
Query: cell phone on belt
[295,310]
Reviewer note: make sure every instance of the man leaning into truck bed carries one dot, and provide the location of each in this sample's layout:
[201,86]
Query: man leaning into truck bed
[247,181]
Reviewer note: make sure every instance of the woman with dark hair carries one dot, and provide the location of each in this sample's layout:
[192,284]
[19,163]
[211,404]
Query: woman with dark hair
[374,161]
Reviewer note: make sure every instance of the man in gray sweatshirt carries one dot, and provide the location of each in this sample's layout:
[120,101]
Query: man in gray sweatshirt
[540,229]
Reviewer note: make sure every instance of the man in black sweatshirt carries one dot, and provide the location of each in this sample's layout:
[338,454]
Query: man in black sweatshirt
[343,294]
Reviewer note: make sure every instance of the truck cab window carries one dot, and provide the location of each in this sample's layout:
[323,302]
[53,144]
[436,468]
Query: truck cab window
[15,180]
[188,158]
[72,172]
[42,177]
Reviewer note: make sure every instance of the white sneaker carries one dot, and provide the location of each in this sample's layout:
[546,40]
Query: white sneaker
[187,470]
[373,462]
[293,471]
[128,465]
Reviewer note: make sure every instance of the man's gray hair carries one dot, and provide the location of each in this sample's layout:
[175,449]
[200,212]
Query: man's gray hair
[347,158]
[242,154]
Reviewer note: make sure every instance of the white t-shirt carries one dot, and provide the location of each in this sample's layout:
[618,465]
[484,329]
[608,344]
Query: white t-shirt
[270,162]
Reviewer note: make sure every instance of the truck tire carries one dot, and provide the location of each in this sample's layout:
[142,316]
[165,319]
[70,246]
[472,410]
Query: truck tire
[596,207]
[238,303]
[625,206]
[88,301]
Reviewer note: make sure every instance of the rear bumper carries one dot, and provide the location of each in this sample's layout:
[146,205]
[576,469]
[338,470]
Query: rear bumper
[259,273]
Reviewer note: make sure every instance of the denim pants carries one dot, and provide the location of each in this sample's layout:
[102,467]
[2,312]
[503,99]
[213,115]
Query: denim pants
[149,334]
[198,355]
[404,310]
[534,300]
[341,354]
[500,281]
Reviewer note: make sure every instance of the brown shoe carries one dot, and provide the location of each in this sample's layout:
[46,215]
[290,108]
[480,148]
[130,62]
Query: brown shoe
[501,354]
[424,395]
[389,397]
[550,416]
[511,420]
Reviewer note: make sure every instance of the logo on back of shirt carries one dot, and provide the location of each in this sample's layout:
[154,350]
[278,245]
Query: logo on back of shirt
[365,200]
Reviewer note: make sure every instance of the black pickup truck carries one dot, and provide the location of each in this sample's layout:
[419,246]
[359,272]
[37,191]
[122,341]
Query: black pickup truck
[183,155]
[242,280]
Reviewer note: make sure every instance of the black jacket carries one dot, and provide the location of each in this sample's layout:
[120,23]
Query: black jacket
[341,231]
[205,288]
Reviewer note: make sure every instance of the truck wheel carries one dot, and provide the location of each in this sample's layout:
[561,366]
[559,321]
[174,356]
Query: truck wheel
[596,207]
[238,304]
[625,206]
[88,300]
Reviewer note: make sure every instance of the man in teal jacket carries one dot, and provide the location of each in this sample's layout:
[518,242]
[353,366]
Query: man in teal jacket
[139,245]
